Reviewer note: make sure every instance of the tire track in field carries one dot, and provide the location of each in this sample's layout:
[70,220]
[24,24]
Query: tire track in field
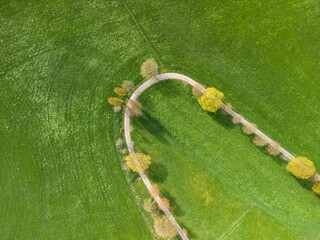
[141,32]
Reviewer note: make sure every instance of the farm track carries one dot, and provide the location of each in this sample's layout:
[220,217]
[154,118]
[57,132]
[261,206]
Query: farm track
[175,76]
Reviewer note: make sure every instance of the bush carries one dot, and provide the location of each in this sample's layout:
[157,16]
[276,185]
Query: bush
[236,119]
[151,207]
[164,228]
[115,101]
[211,100]
[301,167]
[117,109]
[249,128]
[135,108]
[128,86]
[149,69]
[258,141]
[273,150]
[316,187]
[119,91]
[138,162]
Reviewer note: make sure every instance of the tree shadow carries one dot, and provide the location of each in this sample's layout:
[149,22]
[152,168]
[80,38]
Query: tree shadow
[305,183]
[173,204]
[223,119]
[153,126]
[157,172]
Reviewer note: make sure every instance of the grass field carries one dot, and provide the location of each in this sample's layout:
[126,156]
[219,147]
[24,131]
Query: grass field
[60,173]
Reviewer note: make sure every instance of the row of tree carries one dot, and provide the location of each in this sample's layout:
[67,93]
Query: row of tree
[148,69]
[300,167]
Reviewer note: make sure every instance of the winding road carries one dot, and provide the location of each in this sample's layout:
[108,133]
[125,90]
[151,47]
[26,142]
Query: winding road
[176,76]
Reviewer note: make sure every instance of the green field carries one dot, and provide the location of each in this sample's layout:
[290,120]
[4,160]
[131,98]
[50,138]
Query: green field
[60,173]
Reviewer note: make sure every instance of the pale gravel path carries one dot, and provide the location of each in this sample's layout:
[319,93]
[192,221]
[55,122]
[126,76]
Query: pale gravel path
[175,76]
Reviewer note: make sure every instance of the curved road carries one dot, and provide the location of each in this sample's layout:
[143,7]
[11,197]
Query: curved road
[171,76]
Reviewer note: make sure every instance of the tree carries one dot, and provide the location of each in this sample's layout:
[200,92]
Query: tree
[135,108]
[128,86]
[138,162]
[273,150]
[119,91]
[316,187]
[249,128]
[236,119]
[164,228]
[149,68]
[211,100]
[258,141]
[166,204]
[115,101]
[301,167]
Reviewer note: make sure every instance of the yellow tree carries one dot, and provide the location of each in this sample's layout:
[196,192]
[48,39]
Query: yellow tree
[211,100]
[301,167]
[316,187]
[115,101]
[119,91]
[138,162]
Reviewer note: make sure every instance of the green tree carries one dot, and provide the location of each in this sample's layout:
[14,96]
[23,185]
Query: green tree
[211,100]
[149,69]
[301,167]
[138,162]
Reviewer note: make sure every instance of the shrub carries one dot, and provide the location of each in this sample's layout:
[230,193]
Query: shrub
[119,91]
[249,128]
[149,69]
[236,119]
[211,100]
[115,101]
[151,207]
[119,142]
[128,86]
[164,228]
[316,187]
[301,167]
[273,150]
[258,141]
[117,108]
[138,162]
[135,108]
